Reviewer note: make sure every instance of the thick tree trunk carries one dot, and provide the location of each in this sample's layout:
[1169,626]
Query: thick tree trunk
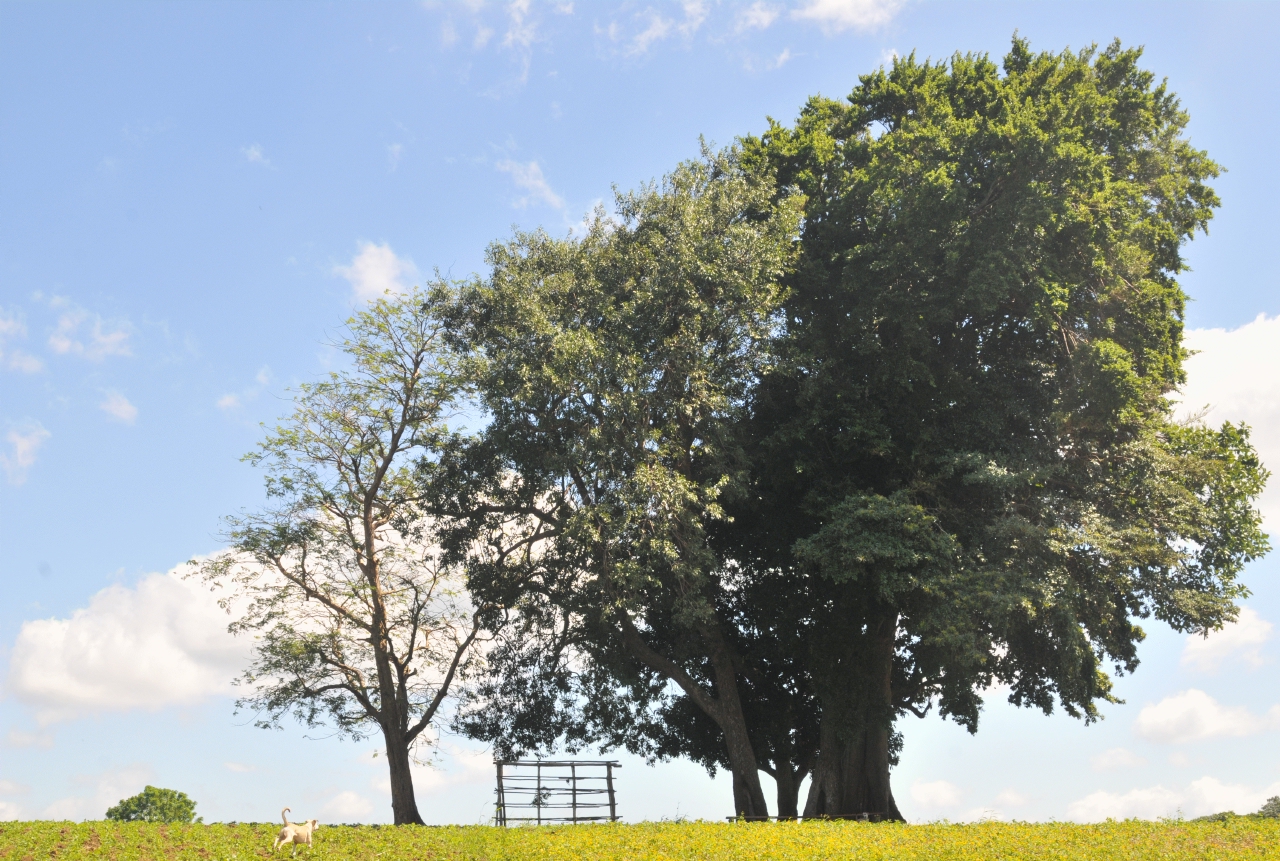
[788,790]
[404,805]
[851,776]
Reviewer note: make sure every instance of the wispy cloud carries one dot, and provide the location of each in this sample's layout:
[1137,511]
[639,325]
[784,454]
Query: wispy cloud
[659,28]
[118,407]
[521,31]
[1115,759]
[836,16]
[695,13]
[394,151]
[24,442]
[80,333]
[254,155]
[757,16]
[234,400]
[375,271]
[528,176]
[654,27]
[12,328]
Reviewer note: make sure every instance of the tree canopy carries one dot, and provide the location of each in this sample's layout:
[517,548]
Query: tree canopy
[950,462]
[154,804]
[358,623]
[970,449]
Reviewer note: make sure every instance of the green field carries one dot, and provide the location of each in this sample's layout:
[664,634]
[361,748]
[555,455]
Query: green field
[705,841]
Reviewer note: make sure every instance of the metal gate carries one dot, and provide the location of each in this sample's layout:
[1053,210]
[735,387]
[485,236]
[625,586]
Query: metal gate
[545,792]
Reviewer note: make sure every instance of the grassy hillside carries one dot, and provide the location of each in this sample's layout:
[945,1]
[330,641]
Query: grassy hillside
[705,841]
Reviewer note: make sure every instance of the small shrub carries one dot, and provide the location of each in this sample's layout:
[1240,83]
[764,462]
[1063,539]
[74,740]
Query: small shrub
[154,804]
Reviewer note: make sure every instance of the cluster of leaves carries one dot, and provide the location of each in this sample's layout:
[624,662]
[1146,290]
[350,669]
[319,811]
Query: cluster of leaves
[154,804]
[703,841]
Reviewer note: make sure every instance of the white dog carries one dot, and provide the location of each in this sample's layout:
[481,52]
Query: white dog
[294,832]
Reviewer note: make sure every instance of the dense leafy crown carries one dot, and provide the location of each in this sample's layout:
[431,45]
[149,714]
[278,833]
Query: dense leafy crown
[154,804]
[972,429]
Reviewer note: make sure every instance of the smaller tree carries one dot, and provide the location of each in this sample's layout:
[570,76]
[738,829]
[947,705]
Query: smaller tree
[1271,810]
[154,804]
[357,622]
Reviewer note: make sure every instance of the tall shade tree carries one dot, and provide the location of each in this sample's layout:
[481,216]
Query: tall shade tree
[611,368]
[968,456]
[357,621]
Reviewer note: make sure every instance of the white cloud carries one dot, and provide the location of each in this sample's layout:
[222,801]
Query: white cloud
[529,177]
[935,793]
[695,12]
[1115,759]
[521,31]
[9,811]
[347,807]
[118,407]
[1229,375]
[239,767]
[757,16]
[1193,715]
[99,339]
[12,327]
[18,738]
[163,642]
[659,28]
[394,151]
[254,155]
[483,35]
[1011,798]
[835,16]
[24,441]
[376,270]
[228,402]
[8,787]
[1243,638]
[25,362]
[1198,798]
[104,790]
[782,58]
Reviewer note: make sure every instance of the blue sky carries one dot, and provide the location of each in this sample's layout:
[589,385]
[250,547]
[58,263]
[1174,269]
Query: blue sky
[194,196]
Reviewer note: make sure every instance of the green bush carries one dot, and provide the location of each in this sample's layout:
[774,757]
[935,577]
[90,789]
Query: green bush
[1271,810]
[154,804]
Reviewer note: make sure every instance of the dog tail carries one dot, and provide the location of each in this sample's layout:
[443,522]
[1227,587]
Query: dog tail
[284,815]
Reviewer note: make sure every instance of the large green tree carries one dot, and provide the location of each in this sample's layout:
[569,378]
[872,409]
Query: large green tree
[612,369]
[967,457]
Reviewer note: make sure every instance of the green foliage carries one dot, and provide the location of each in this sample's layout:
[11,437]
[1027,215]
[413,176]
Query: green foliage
[356,621]
[154,804]
[926,448]
[612,368]
[971,429]
[1237,840]
[1271,810]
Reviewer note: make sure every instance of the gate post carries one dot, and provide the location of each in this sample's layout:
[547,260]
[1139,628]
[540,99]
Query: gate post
[613,803]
